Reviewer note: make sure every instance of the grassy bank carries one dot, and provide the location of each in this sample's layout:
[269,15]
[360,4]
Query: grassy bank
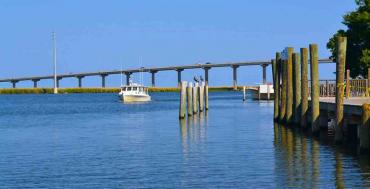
[96,90]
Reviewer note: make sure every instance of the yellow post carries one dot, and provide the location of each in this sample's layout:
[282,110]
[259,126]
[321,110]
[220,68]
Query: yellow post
[348,84]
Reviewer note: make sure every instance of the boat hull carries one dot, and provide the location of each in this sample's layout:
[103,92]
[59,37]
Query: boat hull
[136,98]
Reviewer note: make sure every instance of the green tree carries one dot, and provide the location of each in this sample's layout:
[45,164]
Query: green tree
[358,39]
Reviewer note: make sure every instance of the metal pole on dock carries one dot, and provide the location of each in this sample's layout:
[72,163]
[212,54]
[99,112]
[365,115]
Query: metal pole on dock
[297,87]
[182,112]
[304,86]
[348,83]
[283,92]
[189,92]
[201,97]
[289,80]
[206,95]
[244,96]
[364,130]
[315,90]
[195,98]
[340,66]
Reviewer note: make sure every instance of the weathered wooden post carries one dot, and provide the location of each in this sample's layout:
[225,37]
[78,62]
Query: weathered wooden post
[206,95]
[276,98]
[304,86]
[283,92]
[289,78]
[189,91]
[365,128]
[297,87]
[340,66]
[315,90]
[368,82]
[195,98]
[277,87]
[348,83]
[182,112]
[201,97]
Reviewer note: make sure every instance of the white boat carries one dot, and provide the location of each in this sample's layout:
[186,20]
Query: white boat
[134,93]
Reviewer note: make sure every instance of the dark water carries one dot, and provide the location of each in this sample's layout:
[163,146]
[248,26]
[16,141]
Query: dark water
[94,141]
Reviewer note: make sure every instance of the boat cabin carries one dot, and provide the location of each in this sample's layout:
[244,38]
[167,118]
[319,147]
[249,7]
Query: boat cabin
[135,89]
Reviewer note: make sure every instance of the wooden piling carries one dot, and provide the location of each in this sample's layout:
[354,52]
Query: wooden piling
[278,75]
[276,85]
[297,87]
[206,95]
[182,112]
[195,98]
[315,90]
[348,83]
[201,97]
[340,66]
[368,82]
[289,78]
[304,86]
[189,92]
[364,131]
[283,92]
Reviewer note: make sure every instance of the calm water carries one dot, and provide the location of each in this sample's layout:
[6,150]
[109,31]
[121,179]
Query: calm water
[94,141]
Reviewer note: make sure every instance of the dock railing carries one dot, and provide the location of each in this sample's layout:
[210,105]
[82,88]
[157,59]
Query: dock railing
[358,87]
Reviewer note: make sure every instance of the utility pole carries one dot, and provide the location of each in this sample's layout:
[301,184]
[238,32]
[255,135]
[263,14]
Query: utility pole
[55,63]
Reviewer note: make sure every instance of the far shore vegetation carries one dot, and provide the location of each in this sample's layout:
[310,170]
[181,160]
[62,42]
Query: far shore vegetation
[97,90]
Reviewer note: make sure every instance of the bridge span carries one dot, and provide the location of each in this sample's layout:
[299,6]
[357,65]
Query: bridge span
[127,72]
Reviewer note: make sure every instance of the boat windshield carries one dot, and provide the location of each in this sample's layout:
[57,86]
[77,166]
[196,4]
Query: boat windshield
[137,89]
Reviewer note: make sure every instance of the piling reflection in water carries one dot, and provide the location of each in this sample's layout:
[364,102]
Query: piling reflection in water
[193,131]
[299,157]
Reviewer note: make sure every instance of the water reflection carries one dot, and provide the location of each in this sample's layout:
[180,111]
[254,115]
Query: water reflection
[308,164]
[193,131]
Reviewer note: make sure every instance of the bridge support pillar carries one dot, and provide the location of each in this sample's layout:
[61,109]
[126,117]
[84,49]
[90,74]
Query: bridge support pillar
[179,76]
[153,77]
[80,81]
[235,79]
[206,69]
[14,84]
[58,79]
[103,76]
[264,73]
[35,82]
[128,77]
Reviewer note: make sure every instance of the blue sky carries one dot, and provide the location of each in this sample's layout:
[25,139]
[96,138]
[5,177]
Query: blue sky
[103,35]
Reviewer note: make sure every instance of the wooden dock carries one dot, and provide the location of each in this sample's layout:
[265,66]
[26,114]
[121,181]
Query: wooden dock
[341,107]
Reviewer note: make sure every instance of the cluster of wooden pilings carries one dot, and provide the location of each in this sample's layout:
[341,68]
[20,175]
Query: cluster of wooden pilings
[292,104]
[193,99]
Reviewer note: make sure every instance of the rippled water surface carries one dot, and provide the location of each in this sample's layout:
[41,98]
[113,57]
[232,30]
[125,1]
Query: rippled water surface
[94,141]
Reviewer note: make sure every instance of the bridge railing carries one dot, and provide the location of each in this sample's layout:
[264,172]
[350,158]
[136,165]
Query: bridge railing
[358,87]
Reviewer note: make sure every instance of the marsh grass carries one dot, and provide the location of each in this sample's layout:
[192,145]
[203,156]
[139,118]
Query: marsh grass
[97,90]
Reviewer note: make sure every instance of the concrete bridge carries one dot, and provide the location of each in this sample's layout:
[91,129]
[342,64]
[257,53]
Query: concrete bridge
[103,74]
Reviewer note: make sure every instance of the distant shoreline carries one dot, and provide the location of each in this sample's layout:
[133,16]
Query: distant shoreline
[98,90]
